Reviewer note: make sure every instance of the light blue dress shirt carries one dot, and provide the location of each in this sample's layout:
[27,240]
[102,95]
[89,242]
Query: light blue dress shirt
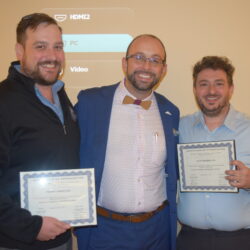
[56,106]
[220,211]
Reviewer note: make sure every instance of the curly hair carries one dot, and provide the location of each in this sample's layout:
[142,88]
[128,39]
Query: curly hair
[215,63]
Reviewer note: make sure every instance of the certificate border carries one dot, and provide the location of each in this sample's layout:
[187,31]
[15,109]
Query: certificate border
[230,144]
[25,176]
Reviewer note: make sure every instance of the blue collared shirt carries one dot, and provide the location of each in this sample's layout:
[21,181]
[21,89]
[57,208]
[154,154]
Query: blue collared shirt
[56,106]
[220,211]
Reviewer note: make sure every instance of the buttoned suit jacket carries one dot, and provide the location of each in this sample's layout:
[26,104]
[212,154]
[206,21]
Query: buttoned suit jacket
[93,111]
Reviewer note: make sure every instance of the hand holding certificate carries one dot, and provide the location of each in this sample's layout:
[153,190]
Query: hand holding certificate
[68,195]
[202,166]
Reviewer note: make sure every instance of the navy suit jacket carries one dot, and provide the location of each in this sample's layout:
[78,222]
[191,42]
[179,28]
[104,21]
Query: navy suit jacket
[94,110]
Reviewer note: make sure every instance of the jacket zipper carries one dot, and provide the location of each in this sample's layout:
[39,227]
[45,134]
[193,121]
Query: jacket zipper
[64,129]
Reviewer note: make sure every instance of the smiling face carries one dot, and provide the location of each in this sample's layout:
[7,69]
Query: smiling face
[142,76]
[42,56]
[213,92]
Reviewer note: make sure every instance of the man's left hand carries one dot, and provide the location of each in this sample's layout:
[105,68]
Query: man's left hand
[240,177]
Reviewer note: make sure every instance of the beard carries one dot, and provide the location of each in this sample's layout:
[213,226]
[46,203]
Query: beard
[143,86]
[37,75]
[212,112]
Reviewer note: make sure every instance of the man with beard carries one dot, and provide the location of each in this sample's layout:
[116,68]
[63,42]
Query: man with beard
[129,135]
[38,131]
[216,221]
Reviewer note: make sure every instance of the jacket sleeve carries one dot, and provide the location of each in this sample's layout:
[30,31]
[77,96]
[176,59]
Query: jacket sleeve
[15,223]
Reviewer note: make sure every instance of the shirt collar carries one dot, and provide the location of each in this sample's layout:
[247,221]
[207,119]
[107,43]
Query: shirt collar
[229,121]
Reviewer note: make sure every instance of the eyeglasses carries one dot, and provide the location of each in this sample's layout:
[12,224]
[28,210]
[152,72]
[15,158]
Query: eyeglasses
[141,59]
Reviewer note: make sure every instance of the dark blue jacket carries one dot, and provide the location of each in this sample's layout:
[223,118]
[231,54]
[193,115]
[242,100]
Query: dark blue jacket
[93,110]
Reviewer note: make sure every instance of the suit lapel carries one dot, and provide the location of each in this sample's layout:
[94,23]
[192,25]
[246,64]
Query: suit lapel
[167,121]
[103,122]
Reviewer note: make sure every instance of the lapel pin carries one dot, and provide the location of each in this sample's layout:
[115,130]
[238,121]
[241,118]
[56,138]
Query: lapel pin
[168,113]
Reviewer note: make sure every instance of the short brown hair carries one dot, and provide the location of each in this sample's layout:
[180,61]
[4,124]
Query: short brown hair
[32,21]
[215,63]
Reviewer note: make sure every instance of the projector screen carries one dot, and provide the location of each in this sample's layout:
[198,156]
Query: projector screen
[96,34]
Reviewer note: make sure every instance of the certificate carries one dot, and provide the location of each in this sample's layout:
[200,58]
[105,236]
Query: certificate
[68,195]
[202,166]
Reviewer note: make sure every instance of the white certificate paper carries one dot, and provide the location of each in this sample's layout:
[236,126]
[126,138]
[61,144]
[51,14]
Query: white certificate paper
[68,195]
[202,166]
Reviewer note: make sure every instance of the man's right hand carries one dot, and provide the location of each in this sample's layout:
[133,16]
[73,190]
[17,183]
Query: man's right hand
[51,228]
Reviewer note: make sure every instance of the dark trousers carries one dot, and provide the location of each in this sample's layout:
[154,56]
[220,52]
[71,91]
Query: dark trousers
[117,235]
[198,239]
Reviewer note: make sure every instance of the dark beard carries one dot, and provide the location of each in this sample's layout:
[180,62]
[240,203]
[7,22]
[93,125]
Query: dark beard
[211,112]
[38,78]
[41,81]
[133,81]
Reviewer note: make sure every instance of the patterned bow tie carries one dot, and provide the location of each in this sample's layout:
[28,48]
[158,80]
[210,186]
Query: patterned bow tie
[129,100]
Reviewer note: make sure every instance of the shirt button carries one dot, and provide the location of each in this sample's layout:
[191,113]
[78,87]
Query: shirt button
[207,196]
[139,203]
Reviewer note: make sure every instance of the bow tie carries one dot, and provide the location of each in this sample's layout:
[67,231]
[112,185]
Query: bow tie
[129,100]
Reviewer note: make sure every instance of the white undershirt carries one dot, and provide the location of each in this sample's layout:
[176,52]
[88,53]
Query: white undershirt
[134,178]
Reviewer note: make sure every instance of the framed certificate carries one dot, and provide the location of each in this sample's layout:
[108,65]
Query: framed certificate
[202,166]
[68,195]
